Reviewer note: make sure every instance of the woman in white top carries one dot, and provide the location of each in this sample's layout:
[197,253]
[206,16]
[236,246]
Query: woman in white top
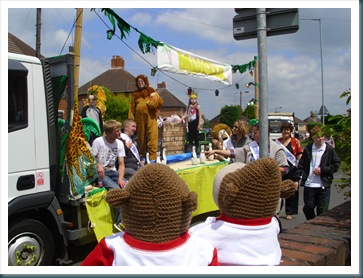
[239,137]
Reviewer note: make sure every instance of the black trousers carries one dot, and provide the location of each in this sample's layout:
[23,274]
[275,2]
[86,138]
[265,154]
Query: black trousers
[193,133]
[315,198]
[292,204]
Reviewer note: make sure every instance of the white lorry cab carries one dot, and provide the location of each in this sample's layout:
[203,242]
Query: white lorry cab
[275,120]
[42,218]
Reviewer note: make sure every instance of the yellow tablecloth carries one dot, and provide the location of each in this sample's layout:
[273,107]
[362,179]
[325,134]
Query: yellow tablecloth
[199,179]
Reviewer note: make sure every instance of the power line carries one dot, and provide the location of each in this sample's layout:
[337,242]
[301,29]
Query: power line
[155,67]
[161,71]
[22,28]
[70,32]
[123,41]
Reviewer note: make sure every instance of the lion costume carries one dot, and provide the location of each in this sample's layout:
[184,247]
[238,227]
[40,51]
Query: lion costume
[144,109]
[220,132]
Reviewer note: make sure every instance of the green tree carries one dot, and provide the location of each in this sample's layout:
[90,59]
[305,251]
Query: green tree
[229,114]
[339,127]
[117,107]
[312,124]
[249,112]
[207,124]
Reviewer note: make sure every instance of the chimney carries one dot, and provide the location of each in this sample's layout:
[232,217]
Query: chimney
[162,85]
[117,62]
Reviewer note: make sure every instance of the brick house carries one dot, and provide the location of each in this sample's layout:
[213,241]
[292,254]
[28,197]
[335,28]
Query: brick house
[19,47]
[172,105]
[120,81]
[301,126]
[116,79]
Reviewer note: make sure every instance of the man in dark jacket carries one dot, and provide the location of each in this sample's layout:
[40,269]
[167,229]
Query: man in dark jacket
[319,162]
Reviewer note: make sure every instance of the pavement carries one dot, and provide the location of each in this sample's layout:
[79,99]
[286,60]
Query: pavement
[336,198]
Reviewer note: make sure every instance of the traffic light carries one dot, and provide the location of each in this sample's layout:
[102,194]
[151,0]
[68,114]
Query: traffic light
[251,102]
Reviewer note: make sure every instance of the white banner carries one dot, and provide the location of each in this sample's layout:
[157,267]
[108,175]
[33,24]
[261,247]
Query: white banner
[175,60]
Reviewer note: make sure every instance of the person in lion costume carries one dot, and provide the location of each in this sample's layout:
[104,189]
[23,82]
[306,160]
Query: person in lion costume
[220,133]
[144,109]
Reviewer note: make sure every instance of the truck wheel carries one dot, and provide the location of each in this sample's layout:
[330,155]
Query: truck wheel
[30,243]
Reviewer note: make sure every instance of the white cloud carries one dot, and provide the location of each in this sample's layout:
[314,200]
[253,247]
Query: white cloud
[293,60]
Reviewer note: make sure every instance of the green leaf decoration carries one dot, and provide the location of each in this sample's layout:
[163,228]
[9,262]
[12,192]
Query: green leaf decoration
[243,68]
[121,24]
[112,20]
[145,42]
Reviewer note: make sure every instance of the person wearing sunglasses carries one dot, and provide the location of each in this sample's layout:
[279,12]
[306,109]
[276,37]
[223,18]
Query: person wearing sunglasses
[239,137]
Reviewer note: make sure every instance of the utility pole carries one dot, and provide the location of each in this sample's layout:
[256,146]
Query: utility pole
[240,99]
[77,52]
[37,34]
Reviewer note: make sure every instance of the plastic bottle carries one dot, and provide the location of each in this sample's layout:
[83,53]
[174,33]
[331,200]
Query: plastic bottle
[202,154]
[100,183]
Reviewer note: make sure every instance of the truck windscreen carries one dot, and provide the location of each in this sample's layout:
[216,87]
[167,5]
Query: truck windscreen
[275,125]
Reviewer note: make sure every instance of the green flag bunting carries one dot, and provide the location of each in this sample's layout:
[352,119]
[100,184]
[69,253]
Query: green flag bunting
[146,43]
[243,68]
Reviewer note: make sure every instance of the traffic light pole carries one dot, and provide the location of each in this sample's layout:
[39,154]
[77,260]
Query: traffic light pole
[256,81]
[281,21]
[262,84]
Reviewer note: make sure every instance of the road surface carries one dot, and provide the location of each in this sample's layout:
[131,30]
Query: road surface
[336,198]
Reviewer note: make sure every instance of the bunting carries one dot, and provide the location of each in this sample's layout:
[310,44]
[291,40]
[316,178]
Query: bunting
[145,42]
[176,60]
[243,68]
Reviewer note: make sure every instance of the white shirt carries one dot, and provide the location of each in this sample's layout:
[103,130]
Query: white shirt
[242,244]
[126,137]
[313,180]
[228,144]
[106,153]
[93,113]
[191,116]
[123,250]
[133,148]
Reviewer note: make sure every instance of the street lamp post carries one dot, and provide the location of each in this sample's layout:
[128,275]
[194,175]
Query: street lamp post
[240,97]
[321,67]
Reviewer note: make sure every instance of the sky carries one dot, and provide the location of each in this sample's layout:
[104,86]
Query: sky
[294,75]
